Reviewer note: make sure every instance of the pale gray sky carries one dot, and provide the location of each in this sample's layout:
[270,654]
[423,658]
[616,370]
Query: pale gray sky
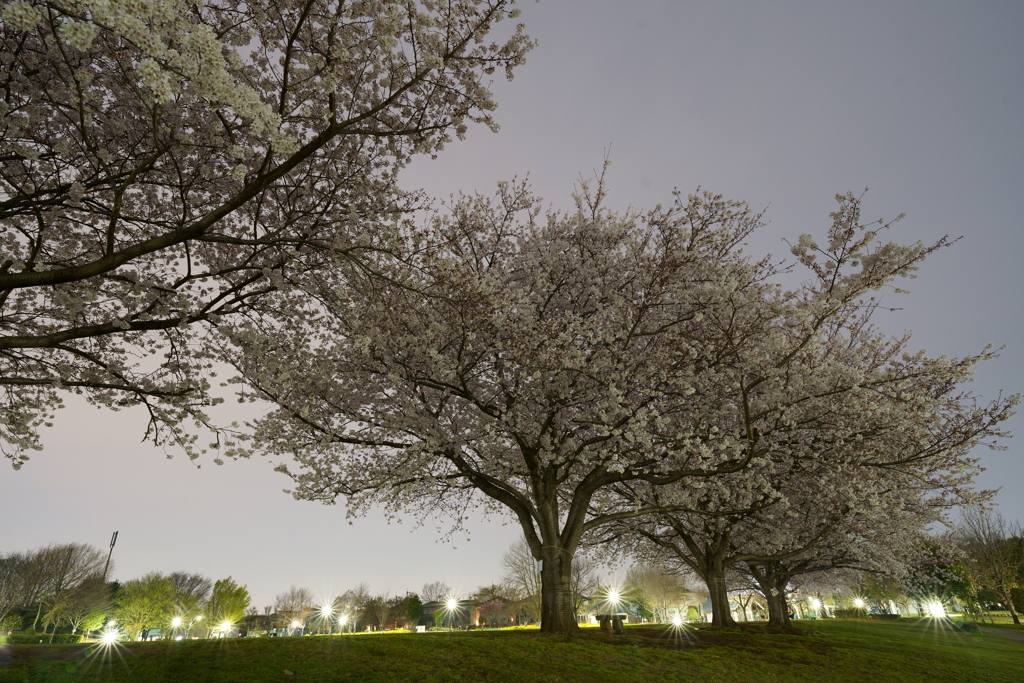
[782,104]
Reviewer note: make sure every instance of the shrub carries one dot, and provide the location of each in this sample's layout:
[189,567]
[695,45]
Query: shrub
[33,638]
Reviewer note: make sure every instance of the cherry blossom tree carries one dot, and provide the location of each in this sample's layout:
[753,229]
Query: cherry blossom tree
[524,358]
[530,364]
[839,485]
[166,164]
[842,422]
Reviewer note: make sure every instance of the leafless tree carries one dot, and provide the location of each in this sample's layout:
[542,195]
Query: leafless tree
[995,552]
[12,589]
[583,582]
[194,586]
[435,592]
[659,589]
[295,604]
[50,573]
[522,577]
[353,603]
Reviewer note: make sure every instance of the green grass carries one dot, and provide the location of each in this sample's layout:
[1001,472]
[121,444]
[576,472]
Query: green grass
[834,650]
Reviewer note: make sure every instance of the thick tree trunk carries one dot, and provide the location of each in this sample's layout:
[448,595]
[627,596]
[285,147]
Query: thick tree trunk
[773,587]
[721,615]
[778,610]
[557,614]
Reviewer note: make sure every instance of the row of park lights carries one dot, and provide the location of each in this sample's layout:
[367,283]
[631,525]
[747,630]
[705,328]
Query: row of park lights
[936,610]
[111,633]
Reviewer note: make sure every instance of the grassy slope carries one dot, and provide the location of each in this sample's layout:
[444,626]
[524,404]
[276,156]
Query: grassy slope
[837,651]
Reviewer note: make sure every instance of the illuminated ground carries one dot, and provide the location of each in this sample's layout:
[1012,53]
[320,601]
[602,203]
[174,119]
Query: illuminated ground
[832,650]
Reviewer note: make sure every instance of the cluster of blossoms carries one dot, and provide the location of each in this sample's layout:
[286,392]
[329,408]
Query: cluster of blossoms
[164,165]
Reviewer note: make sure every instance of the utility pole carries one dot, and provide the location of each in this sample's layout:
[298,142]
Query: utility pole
[113,540]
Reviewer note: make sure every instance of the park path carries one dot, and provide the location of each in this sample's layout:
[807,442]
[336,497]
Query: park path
[1009,633]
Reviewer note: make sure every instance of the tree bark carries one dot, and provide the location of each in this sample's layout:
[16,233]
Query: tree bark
[1008,599]
[721,615]
[557,614]
[773,587]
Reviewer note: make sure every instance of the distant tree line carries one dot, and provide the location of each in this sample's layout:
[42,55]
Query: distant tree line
[58,592]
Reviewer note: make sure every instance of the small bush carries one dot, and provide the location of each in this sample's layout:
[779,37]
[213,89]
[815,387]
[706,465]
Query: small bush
[33,638]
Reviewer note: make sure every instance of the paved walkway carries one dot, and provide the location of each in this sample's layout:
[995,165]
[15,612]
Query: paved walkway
[1009,633]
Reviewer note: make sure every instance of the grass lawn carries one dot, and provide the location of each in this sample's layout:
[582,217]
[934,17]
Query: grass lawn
[834,650]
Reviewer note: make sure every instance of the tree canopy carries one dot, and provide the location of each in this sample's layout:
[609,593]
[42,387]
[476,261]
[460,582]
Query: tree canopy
[165,165]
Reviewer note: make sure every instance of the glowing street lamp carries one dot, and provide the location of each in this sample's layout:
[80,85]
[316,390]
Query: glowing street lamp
[225,626]
[858,603]
[936,610]
[176,622]
[451,606]
[109,637]
[326,611]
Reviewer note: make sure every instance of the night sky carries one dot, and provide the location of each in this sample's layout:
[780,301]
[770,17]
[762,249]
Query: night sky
[779,104]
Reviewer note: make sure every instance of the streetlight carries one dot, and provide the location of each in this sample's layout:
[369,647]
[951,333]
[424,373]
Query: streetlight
[225,626]
[452,605]
[858,603]
[326,611]
[188,631]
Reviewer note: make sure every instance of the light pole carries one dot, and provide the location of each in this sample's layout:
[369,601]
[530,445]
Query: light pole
[113,540]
